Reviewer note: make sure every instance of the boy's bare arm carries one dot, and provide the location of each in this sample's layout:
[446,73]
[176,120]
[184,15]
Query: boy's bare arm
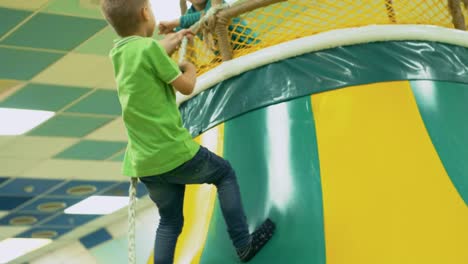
[172,41]
[185,83]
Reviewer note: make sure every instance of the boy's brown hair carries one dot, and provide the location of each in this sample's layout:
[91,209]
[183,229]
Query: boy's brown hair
[123,15]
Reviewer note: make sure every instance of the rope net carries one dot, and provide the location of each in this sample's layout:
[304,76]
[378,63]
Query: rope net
[292,19]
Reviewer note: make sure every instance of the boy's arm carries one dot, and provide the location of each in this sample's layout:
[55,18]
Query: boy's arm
[185,83]
[172,41]
[168,71]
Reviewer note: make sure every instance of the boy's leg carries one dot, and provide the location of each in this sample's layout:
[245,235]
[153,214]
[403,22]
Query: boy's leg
[207,167]
[169,199]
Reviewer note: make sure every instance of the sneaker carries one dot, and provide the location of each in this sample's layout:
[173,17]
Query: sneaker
[259,238]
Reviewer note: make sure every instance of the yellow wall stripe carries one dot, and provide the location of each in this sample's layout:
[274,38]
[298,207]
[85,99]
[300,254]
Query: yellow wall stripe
[387,197]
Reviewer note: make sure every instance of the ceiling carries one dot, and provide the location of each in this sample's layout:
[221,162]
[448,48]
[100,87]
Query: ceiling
[53,57]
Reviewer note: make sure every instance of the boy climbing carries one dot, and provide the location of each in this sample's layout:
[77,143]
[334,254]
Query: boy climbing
[160,151]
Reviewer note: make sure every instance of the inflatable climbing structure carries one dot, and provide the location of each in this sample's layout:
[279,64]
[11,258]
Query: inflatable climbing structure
[347,124]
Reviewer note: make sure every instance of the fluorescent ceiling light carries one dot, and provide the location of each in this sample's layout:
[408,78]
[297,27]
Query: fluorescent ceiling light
[12,248]
[19,121]
[98,205]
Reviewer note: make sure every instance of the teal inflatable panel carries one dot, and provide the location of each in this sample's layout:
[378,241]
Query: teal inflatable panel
[444,109]
[274,153]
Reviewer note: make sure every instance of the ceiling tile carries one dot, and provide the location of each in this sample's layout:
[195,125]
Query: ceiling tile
[36,147]
[10,18]
[48,31]
[87,258]
[11,231]
[34,216]
[44,97]
[64,203]
[97,186]
[76,169]
[11,202]
[119,157]
[100,102]
[81,70]
[98,237]
[118,228]
[7,84]
[69,220]
[146,215]
[113,131]
[24,64]
[3,181]
[80,8]
[122,190]
[6,139]
[105,251]
[59,231]
[99,44]
[67,253]
[69,126]
[14,166]
[8,87]
[28,187]
[23,4]
[91,150]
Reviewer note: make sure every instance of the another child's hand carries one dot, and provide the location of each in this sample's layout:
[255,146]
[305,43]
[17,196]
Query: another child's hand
[186,33]
[166,27]
[171,42]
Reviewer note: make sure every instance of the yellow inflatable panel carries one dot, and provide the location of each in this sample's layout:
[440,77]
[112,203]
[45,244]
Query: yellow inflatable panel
[387,197]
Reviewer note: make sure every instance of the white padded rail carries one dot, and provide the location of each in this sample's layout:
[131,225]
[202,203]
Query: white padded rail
[322,41]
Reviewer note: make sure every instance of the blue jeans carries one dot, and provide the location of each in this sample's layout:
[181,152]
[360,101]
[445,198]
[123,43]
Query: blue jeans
[167,192]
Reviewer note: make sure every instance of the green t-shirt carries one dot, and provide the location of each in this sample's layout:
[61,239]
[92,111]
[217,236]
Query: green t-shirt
[157,140]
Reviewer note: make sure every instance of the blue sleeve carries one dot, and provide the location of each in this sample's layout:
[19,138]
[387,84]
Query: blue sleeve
[192,16]
[189,19]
